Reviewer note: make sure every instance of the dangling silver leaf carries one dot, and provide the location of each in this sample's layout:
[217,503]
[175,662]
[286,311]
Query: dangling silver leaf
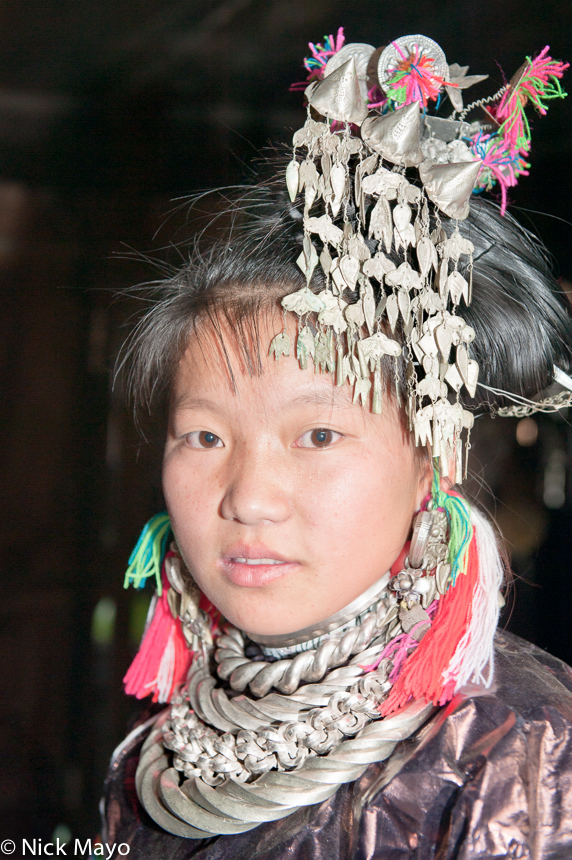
[368,302]
[361,390]
[453,378]
[338,180]
[472,377]
[292,179]
[457,286]
[402,216]
[349,267]
[426,255]
[380,225]
[280,345]
[462,362]
[443,337]
[392,311]
[304,346]
[302,302]
[404,303]
[378,266]
[354,315]
[325,261]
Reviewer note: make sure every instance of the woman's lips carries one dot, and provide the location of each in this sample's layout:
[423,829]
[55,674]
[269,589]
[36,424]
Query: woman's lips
[252,567]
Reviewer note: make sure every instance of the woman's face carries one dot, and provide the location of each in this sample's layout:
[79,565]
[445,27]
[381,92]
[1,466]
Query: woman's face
[287,500]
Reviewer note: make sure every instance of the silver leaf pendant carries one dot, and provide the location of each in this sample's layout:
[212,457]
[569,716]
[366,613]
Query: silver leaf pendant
[292,179]
[338,180]
[368,302]
[444,342]
[349,268]
[426,255]
[304,346]
[402,216]
[457,287]
[361,391]
[280,345]
[462,362]
[392,311]
[404,303]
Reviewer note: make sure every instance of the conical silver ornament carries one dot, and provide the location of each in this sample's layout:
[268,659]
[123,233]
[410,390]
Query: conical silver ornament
[450,186]
[361,54]
[338,96]
[396,136]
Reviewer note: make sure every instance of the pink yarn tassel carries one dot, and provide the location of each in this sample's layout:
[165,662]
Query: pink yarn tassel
[163,659]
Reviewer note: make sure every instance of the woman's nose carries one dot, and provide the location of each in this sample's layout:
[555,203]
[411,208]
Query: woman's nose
[255,493]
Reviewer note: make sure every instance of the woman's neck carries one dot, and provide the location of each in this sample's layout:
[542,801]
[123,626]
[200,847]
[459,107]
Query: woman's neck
[287,644]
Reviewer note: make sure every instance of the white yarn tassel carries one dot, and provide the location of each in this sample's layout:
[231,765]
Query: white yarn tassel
[473,659]
[166,669]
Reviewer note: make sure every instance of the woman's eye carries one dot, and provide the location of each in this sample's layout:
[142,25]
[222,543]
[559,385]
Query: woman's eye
[319,438]
[203,439]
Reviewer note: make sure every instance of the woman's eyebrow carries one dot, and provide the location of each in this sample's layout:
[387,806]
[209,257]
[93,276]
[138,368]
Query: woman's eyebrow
[191,401]
[334,396]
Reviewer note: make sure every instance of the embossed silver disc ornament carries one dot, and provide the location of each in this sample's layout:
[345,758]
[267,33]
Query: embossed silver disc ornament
[339,96]
[390,57]
[361,54]
[396,136]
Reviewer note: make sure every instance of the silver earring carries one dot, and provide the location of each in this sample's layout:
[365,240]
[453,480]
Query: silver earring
[183,597]
[425,572]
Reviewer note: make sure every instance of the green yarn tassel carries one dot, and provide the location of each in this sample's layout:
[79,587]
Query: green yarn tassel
[460,526]
[147,557]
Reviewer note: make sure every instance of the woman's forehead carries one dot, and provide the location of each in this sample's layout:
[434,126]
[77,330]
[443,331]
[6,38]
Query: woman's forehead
[216,365]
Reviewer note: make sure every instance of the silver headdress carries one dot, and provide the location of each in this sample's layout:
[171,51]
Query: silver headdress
[394,277]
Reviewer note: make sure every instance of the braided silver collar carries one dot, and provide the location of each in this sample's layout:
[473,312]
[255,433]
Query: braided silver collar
[259,739]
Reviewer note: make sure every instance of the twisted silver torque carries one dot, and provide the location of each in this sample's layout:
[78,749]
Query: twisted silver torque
[310,723]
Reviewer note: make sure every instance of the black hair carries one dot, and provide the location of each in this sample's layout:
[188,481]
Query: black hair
[245,262]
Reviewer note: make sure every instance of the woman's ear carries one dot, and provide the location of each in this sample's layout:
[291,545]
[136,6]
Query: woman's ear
[425,479]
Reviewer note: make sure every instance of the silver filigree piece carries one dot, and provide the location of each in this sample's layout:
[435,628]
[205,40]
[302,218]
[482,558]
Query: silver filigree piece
[393,55]
[195,809]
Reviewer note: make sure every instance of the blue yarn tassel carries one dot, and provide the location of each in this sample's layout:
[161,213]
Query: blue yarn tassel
[150,550]
[460,527]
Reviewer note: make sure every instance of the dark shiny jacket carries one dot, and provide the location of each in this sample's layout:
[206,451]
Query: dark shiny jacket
[490,776]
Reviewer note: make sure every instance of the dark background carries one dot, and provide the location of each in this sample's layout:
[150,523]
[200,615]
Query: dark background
[109,109]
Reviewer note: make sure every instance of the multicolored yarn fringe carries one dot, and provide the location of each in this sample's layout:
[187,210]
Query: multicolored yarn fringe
[415,79]
[460,526]
[400,648]
[147,557]
[458,647]
[163,659]
[504,151]
[500,164]
[322,53]
[538,82]
[317,62]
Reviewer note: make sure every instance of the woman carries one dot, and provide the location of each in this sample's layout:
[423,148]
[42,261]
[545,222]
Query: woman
[323,630]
